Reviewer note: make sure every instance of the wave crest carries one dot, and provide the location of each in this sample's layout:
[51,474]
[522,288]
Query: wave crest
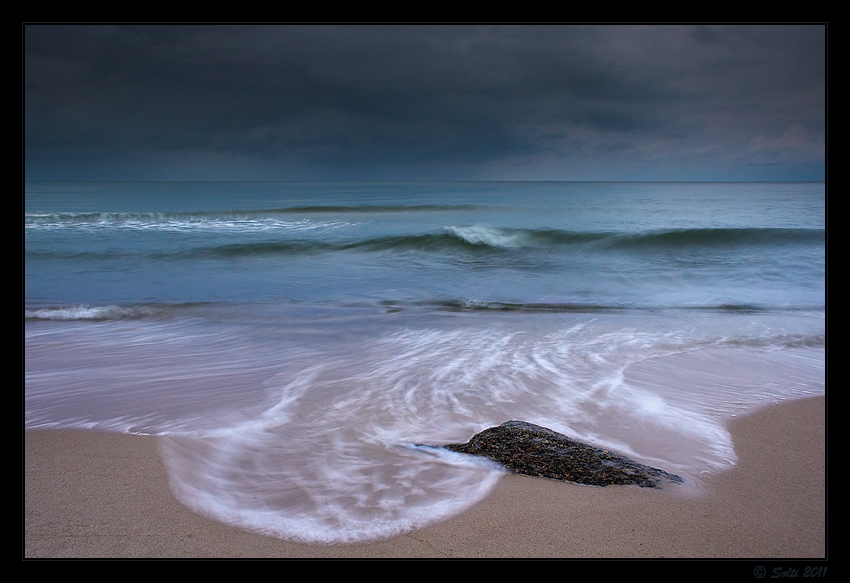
[85,312]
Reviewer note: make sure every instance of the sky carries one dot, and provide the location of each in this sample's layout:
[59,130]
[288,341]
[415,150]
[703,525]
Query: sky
[411,102]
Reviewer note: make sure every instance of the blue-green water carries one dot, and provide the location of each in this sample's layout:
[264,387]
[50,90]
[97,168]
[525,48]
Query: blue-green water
[293,339]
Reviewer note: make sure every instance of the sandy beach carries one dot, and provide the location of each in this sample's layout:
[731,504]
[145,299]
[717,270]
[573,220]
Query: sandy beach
[99,495]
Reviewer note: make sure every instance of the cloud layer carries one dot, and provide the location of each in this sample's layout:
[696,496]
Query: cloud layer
[424,102]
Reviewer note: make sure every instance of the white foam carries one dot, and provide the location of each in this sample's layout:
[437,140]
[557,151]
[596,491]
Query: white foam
[85,312]
[487,235]
[176,223]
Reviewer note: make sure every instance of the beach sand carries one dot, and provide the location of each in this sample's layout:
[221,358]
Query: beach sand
[89,494]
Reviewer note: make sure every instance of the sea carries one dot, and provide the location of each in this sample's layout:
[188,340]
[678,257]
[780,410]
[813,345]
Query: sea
[301,347]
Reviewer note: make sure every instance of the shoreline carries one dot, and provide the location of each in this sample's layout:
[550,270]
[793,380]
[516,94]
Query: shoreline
[99,495]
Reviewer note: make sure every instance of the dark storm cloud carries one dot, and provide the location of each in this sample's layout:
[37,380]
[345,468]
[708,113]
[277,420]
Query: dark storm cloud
[376,102]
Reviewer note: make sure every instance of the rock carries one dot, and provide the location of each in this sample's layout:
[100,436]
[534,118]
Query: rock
[525,448]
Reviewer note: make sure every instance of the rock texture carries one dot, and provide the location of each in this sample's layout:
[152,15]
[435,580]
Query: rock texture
[525,448]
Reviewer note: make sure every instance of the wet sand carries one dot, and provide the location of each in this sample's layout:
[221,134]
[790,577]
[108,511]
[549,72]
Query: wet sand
[89,494]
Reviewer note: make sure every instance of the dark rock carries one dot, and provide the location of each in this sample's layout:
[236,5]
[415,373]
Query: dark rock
[525,448]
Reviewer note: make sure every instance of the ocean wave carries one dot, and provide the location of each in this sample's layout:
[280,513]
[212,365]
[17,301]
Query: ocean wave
[481,240]
[235,222]
[488,236]
[467,305]
[720,237]
[459,305]
[231,220]
[447,240]
[472,238]
[501,238]
[86,312]
[376,208]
